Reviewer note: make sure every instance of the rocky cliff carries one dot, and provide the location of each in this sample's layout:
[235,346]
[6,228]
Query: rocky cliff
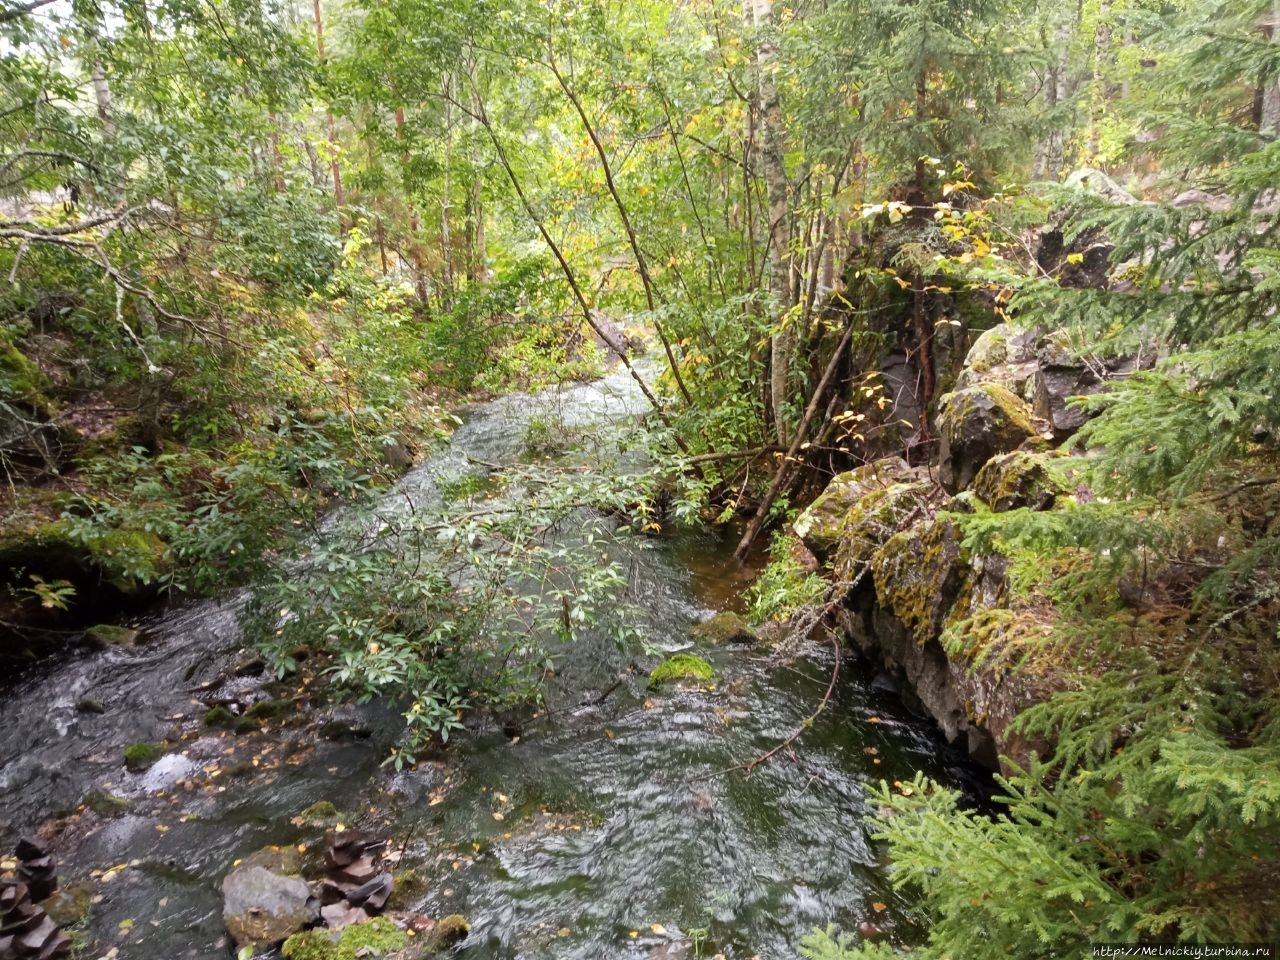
[936,612]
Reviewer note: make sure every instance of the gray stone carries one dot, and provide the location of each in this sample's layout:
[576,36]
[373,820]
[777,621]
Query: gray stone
[265,909]
[974,425]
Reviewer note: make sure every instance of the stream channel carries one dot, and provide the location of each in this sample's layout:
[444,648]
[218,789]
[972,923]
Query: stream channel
[618,834]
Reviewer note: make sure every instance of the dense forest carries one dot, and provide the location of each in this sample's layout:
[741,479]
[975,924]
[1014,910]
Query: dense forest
[1021,258]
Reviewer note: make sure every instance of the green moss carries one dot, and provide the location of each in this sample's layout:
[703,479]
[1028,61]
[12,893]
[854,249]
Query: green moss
[322,813]
[20,377]
[264,709]
[919,574]
[140,756]
[105,804]
[219,717]
[1012,409]
[109,635]
[682,666]
[246,725]
[1019,479]
[377,937]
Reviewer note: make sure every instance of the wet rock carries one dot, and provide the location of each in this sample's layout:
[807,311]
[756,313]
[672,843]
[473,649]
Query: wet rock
[263,908]
[346,722]
[1020,479]
[105,635]
[724,628]
[824,526]
[321,814]
[89,705]
[974,425]
[682,666]
[140,756]
[26,931]
[68,906]
[36,869]
[167,771]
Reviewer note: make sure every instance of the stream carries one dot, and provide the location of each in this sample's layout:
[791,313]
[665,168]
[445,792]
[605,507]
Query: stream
[609,826]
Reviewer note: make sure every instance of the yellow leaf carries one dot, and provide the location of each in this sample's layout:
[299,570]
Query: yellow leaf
[879,907]
[659,929]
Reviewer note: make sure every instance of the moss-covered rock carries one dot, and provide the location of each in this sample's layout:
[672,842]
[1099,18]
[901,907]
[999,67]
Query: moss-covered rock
[874,519]
[321,814]
[974,425]
[219,716]
[919,573]
[1001,355]
[823,527]
[1020,479]
[376,938]
[105,635]
[724,628]
[681,666]
[140,756]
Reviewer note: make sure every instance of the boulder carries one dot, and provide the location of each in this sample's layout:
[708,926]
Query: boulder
[724,628]
[263,909]
[824,526]
[105,635]
[1020,479]
[975,424]
[1061,374]
[1001,355]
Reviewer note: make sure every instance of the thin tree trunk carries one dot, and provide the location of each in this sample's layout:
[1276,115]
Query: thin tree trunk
[415,259]
[642,264]
[1269,120]
[277,158]
[446,242]
[338,200]
[775,179]
[1101,60]
[802,430]
[570,277]
[477,269]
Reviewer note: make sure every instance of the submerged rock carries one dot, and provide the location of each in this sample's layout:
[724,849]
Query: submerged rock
[724,628]
[264,909]
[974,425]
[105,635]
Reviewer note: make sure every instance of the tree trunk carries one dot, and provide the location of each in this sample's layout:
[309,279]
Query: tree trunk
[775,179]
[477,269]
[1269,119]
[333,134]
[1101,60]
[446,242]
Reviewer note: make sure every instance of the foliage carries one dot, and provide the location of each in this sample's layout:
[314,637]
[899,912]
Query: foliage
[784,586]
[445,608]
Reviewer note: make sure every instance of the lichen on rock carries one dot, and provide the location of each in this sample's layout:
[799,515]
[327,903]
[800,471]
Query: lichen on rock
[1020,479]
[975,424]
[824,526]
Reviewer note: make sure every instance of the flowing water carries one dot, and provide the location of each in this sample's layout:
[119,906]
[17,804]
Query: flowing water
[612,825]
